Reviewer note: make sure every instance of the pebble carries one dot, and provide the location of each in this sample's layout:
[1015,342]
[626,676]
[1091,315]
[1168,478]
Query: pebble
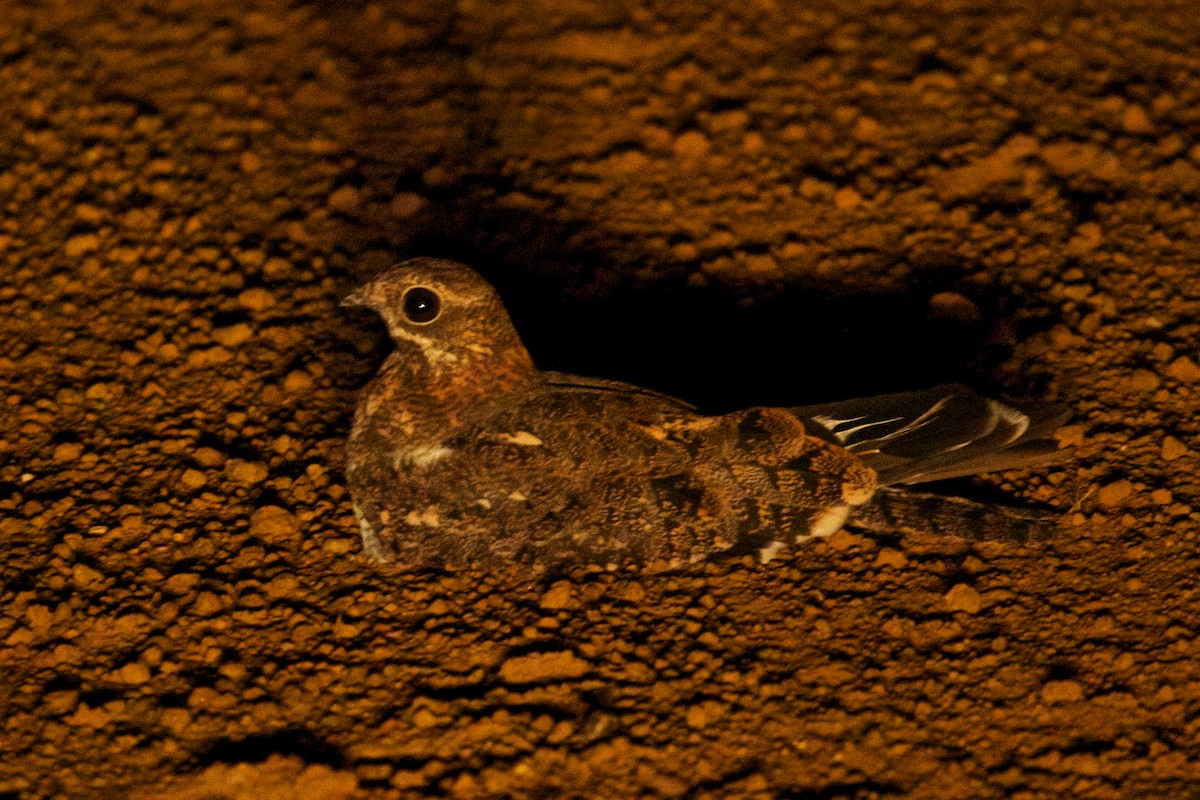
[192,479]
[256,299]
[1172,449]
[691,144]
[83,243]
[559,596]
[207,604]
[846,199]
[181,583]
[247,472]
[424,718]
[954,307]
[1062,691]
[1184,369]
[344,198]
[297,382]
[962,597]
[232,335]
[1136,120]
[406,204]
[68,451]
[543,667]
[84,576]
[890,557]
[274,524]
[634,592]
[1115,493]
[134,673]
[208,457]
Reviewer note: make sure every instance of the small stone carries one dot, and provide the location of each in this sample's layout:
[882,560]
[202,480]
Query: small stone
[249,162]
[954,307]
[424,718]
[1062,691]
[842,539]
[135,672]
[175,719]
[90,717]
[1184,369]
[232,335]
[208,457]
[691,144]
[543,667]
[297,382]
[208,357]
[247,472]
[1136,120]
[256,299]
[845,199]
[560,595]
[1115,493]
[1172,449]
[83,243]
[1069,435]
[344,198]
[181,583]
[207,604]
[890,557]
[68,451]
[192,479]
[272,523]
[281,587]
[1143,380]
[406,204]
[701,715]
[60,702]
[962,597]
[84,576]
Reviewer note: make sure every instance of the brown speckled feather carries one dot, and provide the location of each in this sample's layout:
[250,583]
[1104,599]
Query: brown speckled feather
[462,452]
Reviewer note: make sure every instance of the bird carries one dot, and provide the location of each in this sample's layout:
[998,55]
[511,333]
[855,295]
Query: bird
[462,453]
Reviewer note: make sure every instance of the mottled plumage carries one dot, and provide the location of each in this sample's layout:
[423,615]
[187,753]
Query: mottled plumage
[462,452]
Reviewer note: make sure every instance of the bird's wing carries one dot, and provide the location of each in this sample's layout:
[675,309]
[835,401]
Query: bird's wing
[566,382]
[581,475]
[945,432]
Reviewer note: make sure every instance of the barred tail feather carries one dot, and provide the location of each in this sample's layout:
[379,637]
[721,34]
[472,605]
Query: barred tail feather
[893,511]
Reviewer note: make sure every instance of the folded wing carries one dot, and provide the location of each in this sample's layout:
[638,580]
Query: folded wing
[945,432]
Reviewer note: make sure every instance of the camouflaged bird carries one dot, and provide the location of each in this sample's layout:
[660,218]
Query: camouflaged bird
[463,453]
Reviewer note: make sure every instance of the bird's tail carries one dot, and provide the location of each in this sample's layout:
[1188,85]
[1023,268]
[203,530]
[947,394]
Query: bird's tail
[891,511]
[944,432]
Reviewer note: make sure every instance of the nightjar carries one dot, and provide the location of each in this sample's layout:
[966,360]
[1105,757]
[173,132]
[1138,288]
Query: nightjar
[463,453]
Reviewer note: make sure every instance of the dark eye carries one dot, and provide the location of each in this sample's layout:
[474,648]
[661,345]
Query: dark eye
[421,305]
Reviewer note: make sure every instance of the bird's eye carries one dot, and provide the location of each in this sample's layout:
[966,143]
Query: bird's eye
[421,305]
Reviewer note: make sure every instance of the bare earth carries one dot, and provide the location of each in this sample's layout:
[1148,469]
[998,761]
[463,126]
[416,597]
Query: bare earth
[744,204]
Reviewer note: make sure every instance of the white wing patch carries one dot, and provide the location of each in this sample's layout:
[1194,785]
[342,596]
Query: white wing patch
[420,456]
[520,438]
[1019,420]
[370,539]
[769,551]
[832,423]
[827,523]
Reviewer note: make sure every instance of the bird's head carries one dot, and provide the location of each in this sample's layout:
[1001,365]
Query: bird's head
[444,308]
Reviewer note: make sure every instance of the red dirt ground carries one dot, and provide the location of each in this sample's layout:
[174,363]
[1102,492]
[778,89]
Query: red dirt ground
[744,203]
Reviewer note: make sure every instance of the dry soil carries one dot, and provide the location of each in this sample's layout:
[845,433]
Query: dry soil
[743,203]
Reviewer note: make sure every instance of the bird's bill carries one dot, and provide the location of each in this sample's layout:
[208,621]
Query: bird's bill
[355,299]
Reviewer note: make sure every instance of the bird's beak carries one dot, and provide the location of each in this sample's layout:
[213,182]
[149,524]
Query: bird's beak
[355,298]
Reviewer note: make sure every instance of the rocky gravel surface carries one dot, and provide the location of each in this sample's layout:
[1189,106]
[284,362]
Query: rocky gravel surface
[741,203]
